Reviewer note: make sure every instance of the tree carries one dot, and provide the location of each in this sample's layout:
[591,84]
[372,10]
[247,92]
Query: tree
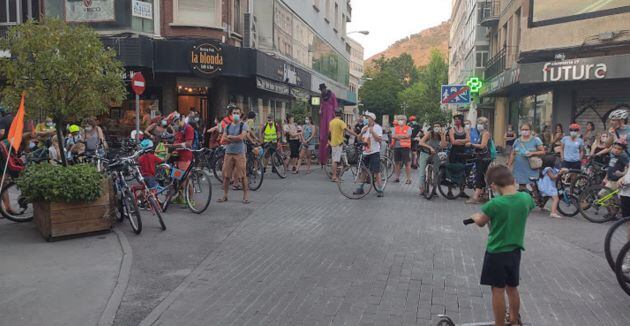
[64,70]
[380,95]
[423,97]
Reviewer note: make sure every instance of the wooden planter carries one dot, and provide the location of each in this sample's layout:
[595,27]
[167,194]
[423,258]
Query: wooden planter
[57,220]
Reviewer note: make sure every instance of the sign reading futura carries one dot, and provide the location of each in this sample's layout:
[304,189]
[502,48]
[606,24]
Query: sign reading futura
[573,70]
[206,58]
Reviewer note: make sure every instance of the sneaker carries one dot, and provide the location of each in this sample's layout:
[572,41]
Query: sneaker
[358,191]
[555,215]
[379,193]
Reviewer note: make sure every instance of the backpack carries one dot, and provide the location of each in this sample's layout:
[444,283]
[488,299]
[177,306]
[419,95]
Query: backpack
[493,150]
[240,129]
[15,164]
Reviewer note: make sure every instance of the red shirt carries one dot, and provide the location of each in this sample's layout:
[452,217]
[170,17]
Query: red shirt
[183,136]
[147,164]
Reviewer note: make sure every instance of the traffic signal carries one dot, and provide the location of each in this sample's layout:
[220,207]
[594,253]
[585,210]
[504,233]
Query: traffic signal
[475,84]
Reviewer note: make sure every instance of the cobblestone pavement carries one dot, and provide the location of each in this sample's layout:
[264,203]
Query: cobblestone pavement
[304,255]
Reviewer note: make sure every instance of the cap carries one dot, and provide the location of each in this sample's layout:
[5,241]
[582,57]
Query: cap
[370,115]
[322,86]
[574,126]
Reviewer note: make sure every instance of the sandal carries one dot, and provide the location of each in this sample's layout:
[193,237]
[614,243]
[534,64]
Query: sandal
[397,180]
[246,201]
[408,182]
[222,200]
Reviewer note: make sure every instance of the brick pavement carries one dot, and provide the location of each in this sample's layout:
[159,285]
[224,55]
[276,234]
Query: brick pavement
[308,256]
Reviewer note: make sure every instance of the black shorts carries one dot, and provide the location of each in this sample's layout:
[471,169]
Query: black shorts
[572,165]
[480,174]
[501,269]
[373,162]
[402,155]
[294,145]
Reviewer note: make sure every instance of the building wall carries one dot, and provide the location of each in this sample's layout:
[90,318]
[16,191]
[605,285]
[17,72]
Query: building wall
[571,34]
[467,40]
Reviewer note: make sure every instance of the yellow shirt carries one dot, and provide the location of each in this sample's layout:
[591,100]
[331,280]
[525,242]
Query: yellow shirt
[337,128]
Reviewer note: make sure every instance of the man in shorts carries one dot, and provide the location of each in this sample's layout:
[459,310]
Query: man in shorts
[336,132]
[372,136]
[402,148]
[235,161]
[506,216]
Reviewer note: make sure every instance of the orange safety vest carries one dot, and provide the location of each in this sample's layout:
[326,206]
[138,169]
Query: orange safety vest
[404,143]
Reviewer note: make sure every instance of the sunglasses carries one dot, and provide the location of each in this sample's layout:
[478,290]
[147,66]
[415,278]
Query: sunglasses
[574,129]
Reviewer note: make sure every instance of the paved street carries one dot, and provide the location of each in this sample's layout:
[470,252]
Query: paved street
[302,254]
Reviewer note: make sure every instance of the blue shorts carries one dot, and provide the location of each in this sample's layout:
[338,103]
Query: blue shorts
[373,162]
[150,182]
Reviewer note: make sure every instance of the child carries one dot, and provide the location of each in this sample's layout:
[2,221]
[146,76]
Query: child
[617,165]
[147,163]
[506,216]
[547,185]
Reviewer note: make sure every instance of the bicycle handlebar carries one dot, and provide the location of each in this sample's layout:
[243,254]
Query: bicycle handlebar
[469,221]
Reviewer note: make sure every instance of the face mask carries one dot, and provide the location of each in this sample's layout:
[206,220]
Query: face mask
[196,119]
[401,122]
[525,133]
[436,129]
[88,128]
[467,127]
[186,120]
[307,121]
[236,117]
[50,123]
[573,134]
[481,128]
[365,121]
[164,123]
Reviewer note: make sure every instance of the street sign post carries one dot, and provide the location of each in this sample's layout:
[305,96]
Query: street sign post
[455,94]
[138,84]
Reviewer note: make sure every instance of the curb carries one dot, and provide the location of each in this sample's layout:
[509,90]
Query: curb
[108,315]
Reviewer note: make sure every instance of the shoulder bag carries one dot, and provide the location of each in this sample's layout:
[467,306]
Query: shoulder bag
[535,162]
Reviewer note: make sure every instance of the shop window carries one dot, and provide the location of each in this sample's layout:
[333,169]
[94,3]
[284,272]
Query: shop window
[237,22]
[13,12]
[203,13]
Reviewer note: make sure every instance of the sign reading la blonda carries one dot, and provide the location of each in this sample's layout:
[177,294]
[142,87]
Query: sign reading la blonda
[206,58]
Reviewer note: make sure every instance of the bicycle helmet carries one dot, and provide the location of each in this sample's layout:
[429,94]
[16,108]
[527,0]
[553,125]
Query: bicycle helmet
[620,114]
[74,128]
[146,144]
[574,126]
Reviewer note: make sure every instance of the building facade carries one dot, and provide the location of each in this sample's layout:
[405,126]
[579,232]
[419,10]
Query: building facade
[559,64]
[351,112]
[261,55]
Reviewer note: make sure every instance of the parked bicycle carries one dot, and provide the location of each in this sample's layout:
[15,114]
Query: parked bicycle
[120,172]
[355,182]
[600,204]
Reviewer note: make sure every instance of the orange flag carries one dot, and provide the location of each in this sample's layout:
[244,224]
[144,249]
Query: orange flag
[17,127]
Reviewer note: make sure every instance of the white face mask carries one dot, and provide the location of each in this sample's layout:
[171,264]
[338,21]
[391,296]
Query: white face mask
[481,128]
[307,121]
[573,134]
[467,126]
[436,129]
[88,128]
[164,123]
[525,133]
[401,122]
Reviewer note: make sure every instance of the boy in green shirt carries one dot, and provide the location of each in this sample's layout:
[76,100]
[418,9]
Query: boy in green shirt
[506,216]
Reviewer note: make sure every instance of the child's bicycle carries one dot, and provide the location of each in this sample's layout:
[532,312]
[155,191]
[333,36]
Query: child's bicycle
[568,205]
[600,204]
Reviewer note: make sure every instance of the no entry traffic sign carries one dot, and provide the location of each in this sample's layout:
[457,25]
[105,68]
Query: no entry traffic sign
[138,83]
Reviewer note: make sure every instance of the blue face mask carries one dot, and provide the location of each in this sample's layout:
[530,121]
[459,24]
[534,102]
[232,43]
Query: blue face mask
[366,121]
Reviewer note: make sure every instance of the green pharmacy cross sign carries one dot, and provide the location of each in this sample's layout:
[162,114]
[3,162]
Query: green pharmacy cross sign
[475,84]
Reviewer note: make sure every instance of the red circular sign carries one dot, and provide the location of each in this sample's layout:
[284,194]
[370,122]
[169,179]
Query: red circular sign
[138,84]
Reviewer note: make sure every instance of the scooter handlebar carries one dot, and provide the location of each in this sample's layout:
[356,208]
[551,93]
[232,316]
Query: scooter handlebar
[469,221]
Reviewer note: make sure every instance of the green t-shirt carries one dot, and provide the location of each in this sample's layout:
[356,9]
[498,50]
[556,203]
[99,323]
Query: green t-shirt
[508,215]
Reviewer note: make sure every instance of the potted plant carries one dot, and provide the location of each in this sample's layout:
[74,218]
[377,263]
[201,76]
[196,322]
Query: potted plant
[68,200]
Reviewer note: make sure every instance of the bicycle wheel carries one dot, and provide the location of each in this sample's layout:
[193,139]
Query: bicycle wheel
[132,211]
[568,205]
[19,208]
[593,209]
[428,185]
[279,165]
[616,237]
[389,164]
[217,169]
[328,168]
[354,186]
[157,210]
[622,268]
[255,173]
[446,188]
[198,191]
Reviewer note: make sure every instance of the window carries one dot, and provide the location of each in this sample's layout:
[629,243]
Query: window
[517,28]
[9,12]
[481,59]
[327,11]
[204,13]
[237,21]
[316,4]
[336,16]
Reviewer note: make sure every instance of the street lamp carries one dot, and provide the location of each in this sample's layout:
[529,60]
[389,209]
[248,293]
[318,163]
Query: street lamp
[359,32]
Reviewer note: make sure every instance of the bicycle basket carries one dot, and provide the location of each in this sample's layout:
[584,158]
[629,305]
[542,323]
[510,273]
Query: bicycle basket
[177,174]
[352,153]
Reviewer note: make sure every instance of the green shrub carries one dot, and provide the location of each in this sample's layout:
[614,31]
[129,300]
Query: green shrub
[46,182]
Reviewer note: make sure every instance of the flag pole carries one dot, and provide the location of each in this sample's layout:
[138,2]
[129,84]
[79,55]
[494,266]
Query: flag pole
[6,164]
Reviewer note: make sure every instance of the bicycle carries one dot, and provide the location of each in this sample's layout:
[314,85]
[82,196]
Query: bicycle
[145,196]
[446,184]
[617,236]
[20,208]
[567,206]
[278,159]
[593,173]
[352,181]
[126,205]
[194,180]
[429,184]
[623,272]
[597,200]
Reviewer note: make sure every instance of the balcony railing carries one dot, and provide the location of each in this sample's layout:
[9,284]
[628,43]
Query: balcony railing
[490,11]
[496,64]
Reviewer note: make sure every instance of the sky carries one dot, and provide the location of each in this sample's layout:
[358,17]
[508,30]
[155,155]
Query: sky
[391,20]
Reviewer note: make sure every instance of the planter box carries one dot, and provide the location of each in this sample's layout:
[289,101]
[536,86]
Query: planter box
[57,220]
